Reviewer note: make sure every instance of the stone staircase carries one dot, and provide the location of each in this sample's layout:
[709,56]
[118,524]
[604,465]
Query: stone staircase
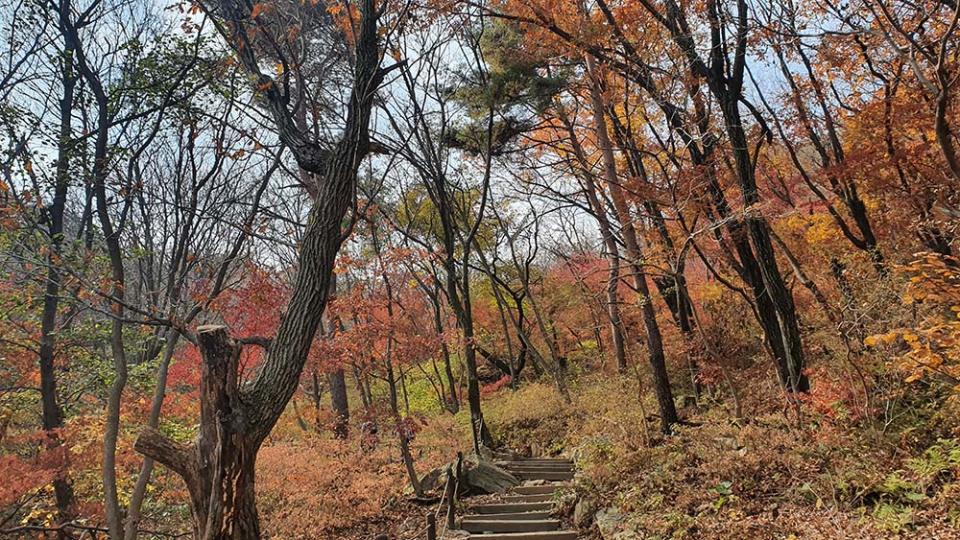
[525,512]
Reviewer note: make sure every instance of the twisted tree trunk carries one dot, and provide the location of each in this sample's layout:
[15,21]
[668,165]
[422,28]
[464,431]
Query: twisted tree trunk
[219,466]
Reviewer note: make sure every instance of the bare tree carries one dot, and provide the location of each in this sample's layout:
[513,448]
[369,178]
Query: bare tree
[236,416]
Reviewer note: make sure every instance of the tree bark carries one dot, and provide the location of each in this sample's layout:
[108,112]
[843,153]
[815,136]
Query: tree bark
[617,331]
[52,414]
[658,366]
[338,401]
[146,469]
[219,467]
[777,303]
[454,400]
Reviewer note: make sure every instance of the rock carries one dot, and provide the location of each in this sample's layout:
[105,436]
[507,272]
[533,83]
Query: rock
[486,477]
[433,480]
[610,522]
[486,454]
[583,512]
[503,455]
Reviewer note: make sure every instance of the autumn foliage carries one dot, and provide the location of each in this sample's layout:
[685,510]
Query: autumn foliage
[707,248]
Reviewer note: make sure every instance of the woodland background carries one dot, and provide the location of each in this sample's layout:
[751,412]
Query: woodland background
[707,248]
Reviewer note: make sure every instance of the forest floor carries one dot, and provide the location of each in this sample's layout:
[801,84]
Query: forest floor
[765,476]
[313,487]
[768,475]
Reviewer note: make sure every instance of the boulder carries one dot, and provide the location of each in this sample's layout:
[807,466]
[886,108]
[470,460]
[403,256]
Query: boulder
[433,480]
[485,477]
[486,454]
[583,512]
[610,521]
[613,524]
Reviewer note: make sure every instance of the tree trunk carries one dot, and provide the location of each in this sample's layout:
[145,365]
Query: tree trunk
[557,366]
[219,467]
[454,405]
[617,331]
[52,414]
[401,430]
[403,387]
[661,380]
[778,307]
[844,188]
[945,82]
[317,395]
[146,469]
[482,435]
[339,403]
[460,304]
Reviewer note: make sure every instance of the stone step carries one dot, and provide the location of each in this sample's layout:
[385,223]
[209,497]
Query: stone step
[532,463]
[540,490]
[505,508]
[542,475]
[542,497]
[547,535]
[512,516]
[536,466]
[534,470]
[513,526]
[537,463]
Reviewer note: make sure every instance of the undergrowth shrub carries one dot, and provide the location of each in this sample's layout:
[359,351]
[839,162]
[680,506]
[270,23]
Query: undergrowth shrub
[312,486]
[889,468]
